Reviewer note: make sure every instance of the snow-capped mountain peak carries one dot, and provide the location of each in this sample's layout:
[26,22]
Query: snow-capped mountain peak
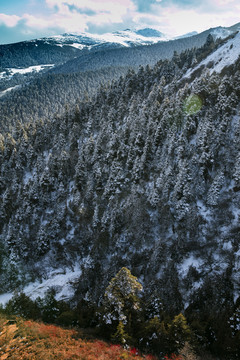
[123,38]
[148,32]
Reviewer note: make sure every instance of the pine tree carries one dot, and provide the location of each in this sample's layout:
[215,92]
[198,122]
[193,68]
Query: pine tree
[121,300]
[179,332]
[120,336]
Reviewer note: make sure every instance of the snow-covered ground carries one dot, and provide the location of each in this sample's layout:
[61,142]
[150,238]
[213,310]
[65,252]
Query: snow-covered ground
[22,71]
[224,56]
[187,263]
[61,280]
[4,92]
[221,33]
[4,298]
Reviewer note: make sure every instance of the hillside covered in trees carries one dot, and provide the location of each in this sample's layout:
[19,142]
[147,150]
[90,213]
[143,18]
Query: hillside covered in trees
[143,174]
[39,78]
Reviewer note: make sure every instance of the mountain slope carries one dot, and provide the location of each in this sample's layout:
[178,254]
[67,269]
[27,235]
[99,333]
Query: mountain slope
[31,93]
[132,57]
[221,58]
[58,49]
[144,175]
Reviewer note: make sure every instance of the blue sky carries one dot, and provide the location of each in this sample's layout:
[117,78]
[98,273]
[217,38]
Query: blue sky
[29,19]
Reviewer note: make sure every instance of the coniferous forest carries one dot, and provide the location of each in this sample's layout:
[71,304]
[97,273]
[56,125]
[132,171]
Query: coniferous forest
[130,177]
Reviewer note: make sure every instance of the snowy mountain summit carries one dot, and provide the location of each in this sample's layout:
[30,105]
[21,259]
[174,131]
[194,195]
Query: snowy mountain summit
[125,38]
[148,32]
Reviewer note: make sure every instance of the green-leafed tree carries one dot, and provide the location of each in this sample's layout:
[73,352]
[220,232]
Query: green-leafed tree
[120,336]
[23,306]
[121,301]
[155,336]
[179,332]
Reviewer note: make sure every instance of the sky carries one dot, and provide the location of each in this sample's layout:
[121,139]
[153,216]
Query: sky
[30,19]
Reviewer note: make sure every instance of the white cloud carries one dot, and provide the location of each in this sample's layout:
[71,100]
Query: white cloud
[35,22]
[224,2]
[67,14]
[108,15]
[114,8]
[9,20]
[176,21]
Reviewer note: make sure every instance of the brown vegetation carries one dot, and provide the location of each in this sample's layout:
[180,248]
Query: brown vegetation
[27,340]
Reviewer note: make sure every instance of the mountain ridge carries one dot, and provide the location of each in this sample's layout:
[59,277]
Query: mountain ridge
[21,76]
[76,42]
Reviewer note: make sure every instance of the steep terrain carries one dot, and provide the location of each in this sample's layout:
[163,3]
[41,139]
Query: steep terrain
[23,61]
[57,49]
[92,190]
[144,173]
[39,77]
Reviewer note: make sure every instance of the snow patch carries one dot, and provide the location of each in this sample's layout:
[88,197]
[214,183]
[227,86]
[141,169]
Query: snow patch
[4,298]
[29,69]
[221,33]
[187,263]
[13,71]
[227,246]
[27,177]
[236,214]
[4,92]
[226,55]
[203,211]
[78,46]
[61,280]
[47,154]
[193,141]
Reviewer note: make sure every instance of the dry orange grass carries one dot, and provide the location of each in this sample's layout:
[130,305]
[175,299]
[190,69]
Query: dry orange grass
[28,340]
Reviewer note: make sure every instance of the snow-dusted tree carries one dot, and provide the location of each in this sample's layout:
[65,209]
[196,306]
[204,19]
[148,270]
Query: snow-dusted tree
[121,298]
[234,321]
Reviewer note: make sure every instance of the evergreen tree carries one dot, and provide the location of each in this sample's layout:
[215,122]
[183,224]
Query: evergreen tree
[121,300]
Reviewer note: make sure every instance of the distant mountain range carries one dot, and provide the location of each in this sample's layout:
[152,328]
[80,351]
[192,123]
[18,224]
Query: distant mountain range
[61,48]
[38,64]
[126,38]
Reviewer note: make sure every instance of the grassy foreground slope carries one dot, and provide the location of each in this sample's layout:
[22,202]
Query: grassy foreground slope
[21,339]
